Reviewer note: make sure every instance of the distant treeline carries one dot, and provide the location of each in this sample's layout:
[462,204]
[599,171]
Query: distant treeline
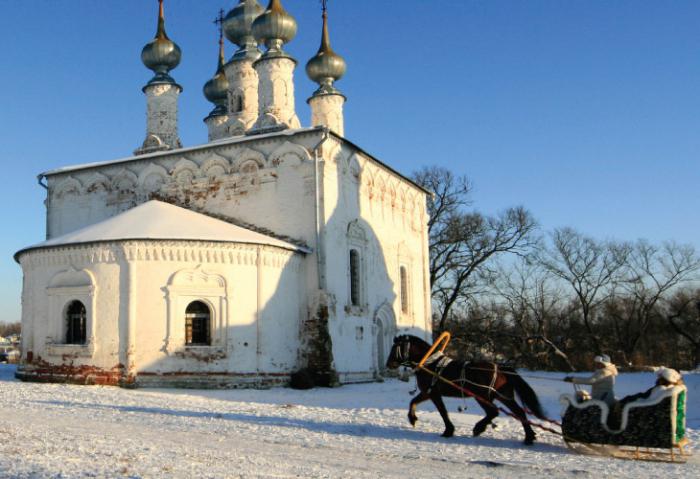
[7,329]
[507,290]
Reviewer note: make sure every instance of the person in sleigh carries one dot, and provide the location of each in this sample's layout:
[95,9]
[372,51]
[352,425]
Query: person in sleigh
[602,381]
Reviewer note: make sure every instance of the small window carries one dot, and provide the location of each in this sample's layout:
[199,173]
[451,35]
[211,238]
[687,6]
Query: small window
[76,321]
[237,104]
[354,277]
[197,324]
[403,277]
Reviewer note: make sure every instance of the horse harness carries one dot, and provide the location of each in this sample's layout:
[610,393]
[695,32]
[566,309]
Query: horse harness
[439,361]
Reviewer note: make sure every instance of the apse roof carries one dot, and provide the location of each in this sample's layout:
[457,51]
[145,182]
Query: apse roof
[156,220]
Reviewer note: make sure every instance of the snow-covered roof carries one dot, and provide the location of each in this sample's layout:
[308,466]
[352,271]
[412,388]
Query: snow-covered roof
[224,142]
[156,220]
[179,151]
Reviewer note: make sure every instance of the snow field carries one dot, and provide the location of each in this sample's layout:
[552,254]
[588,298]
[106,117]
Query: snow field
[65,431]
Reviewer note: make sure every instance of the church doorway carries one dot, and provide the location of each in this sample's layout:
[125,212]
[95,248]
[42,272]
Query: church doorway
[385,329]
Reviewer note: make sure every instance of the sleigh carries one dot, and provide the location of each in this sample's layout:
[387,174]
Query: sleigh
[650,429]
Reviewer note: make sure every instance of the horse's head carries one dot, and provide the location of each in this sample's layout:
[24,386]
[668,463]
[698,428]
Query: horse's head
[406,350]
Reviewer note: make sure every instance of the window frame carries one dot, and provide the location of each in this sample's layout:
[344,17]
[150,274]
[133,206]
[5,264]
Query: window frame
[71,338]
[356,241]
[185,287]
[189,326]
[63,289]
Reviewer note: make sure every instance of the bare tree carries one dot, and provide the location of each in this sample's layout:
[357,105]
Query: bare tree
[450,197]
[588,266]
[683,314]
[534,301]
[651,273]
[462,243]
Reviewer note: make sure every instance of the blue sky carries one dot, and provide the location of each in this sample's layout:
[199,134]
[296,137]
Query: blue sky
[587,112]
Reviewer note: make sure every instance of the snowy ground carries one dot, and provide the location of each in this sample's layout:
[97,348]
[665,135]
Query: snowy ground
[49,430]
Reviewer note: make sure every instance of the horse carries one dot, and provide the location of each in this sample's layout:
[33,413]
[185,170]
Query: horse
[484,381]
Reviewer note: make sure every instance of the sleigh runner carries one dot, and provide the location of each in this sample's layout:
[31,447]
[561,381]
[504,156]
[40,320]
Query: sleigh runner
[650,429]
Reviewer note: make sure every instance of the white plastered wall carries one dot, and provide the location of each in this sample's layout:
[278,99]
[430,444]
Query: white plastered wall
[254,294]
[372,209]
[269,182]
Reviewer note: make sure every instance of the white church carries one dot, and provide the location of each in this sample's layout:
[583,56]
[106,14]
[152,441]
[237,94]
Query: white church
[270,249]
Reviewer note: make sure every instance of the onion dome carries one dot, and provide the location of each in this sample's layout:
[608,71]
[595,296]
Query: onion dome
[274,28]
[326,66]
[216,89]
[161,54]
[238,28]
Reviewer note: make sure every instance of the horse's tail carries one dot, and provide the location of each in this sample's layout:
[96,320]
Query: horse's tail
[526,394]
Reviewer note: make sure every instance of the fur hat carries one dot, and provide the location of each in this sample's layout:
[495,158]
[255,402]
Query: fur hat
[602,359]
[670,375]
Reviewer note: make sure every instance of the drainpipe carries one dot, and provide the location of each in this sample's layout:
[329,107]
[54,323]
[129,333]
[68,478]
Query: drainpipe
[39,179]
[320,259]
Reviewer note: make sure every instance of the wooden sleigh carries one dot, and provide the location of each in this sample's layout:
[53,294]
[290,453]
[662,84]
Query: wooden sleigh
[648,429]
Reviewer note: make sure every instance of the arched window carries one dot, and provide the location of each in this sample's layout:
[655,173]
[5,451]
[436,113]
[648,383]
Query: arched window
[76,321]
[197,324]
[354,277]
[403,278]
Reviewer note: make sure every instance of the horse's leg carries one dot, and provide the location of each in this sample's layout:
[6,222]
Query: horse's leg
[520,413]
[491,412]
[420,397]
[440,405]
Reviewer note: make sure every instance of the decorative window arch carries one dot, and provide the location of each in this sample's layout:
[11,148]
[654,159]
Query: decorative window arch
[215,167]
[97,183]
[289,154]
[69,186]
[356,269]
[152,179]
[71,314]
[185,171]
[188,293]
[124,181]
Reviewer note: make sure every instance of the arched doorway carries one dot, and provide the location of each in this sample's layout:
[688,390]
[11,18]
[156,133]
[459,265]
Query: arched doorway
[385,329]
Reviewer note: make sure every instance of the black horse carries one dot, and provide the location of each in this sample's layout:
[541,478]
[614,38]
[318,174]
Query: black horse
[484,381]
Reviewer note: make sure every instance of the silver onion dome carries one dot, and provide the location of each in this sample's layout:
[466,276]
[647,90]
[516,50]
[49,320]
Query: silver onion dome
[216,89]
[161,54]
[274,28]
[238,28]
[326,66]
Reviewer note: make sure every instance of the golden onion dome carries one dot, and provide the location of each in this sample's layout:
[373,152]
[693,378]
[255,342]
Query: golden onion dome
[238,27]
[161,54]
[216,89]
[274,28]
[326,66]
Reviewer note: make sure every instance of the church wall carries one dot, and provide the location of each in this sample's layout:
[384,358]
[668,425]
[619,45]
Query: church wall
[267,181]
[254,295]
[52,280]
[256,304]
[382,216]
